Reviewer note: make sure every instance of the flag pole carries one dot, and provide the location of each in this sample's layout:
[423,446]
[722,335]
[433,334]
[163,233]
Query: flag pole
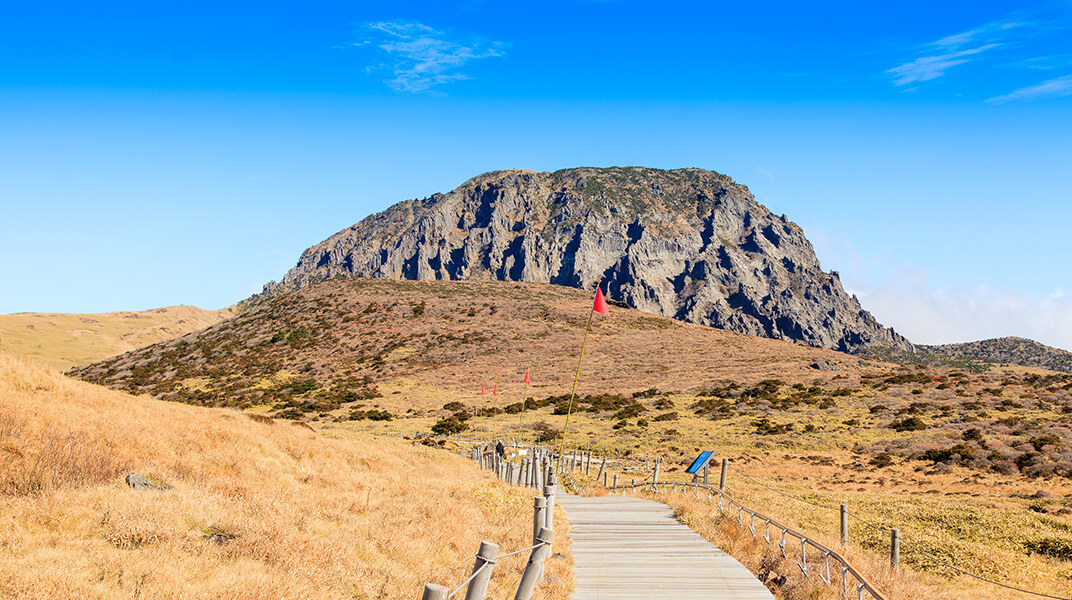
[577,376]
[524,398]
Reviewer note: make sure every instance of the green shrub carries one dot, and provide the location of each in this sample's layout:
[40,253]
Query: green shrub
[882,459]
[909,424]
[1051,546]
[449,426]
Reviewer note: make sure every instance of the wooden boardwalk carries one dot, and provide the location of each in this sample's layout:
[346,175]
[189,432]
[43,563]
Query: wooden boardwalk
[630,548]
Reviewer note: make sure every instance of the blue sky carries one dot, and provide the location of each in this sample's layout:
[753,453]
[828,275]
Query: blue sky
[165,153]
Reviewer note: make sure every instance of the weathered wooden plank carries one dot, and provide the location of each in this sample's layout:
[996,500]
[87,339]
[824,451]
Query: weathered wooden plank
[628,548]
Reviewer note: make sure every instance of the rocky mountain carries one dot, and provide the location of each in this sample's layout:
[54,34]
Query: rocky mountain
[688,243]
[1012,350]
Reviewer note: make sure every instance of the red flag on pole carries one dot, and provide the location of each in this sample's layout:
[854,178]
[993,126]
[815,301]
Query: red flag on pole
[527,380]
[495,390]
[600,305]
[483,391]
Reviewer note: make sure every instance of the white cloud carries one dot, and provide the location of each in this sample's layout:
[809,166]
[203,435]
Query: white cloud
[940,316]
[926,68]
[935,58]
[1052,88]
[421,57]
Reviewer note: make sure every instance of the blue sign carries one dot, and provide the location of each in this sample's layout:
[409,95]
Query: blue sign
[699,463]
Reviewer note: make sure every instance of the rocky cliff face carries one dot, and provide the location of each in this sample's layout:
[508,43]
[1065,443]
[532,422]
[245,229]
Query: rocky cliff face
[688,243]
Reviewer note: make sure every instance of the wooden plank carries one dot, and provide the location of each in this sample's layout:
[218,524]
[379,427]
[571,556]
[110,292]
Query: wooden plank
[629,548]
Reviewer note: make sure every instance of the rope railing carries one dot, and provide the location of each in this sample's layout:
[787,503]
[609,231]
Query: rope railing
[719,496]
[903,543]
[527,473]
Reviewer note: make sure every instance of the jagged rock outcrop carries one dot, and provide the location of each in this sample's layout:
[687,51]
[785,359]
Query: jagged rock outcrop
[687,243]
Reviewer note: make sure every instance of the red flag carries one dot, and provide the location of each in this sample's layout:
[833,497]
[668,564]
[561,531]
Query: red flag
[600,305]
[483,391]
[495,390]
[527,380]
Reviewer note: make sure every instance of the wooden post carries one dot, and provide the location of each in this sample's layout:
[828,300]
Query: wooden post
[705,472]
[539,507]
[844,523]
[588,464]
[895,549]
[602,467]
[722,476]
[615,480]
[604,477]
[655,475]
[478,587]
[535,565]
[434,592]
[549,493]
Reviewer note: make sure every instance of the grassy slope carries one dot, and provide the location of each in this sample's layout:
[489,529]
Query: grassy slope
[64,340]
[1012,350]
[305,516]
[432,341]
[823,429]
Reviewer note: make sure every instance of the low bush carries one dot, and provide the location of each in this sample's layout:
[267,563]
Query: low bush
[909,424]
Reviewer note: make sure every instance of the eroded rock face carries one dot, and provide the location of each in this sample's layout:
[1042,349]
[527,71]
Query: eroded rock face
[687,243]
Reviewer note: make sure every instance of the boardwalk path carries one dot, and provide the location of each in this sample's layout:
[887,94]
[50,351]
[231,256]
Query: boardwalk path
[631,548]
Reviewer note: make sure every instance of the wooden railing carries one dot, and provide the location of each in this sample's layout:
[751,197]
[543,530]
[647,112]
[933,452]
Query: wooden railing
[533,471]
[845,569]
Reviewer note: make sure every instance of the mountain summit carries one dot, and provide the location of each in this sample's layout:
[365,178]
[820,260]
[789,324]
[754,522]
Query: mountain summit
[687,243]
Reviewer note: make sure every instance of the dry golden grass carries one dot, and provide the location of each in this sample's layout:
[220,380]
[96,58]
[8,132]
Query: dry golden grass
[299,515]
[984,534]
[63,340]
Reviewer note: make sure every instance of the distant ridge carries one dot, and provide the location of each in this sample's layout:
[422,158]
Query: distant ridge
[1012,350]
[63,340]
[689,244]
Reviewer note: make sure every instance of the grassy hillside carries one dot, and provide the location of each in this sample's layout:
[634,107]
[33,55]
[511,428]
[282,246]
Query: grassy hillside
[340,343]
[952,455]
[1012,350]
[64,340]
[256,509]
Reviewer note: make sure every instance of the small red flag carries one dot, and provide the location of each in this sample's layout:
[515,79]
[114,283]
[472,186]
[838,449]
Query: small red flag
[483,391]
[527,380]
[495,390]
[600,305]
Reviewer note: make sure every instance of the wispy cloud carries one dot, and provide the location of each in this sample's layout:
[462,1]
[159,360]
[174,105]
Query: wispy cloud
[420,57]
[935,58]
[926,68]
[1052,88]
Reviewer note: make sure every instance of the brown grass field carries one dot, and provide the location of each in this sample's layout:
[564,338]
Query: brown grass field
[953,456]
[256,509]
[63,340]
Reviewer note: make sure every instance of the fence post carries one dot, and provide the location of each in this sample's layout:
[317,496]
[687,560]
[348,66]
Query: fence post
[655,475]
[844,523]
[604,478]
[539,506]
[549,493]
[434,592]
[535,564]
[722,476]
[602,468]
[615,481]
[895,549]
[588,464]
[478,587]
[705,472]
